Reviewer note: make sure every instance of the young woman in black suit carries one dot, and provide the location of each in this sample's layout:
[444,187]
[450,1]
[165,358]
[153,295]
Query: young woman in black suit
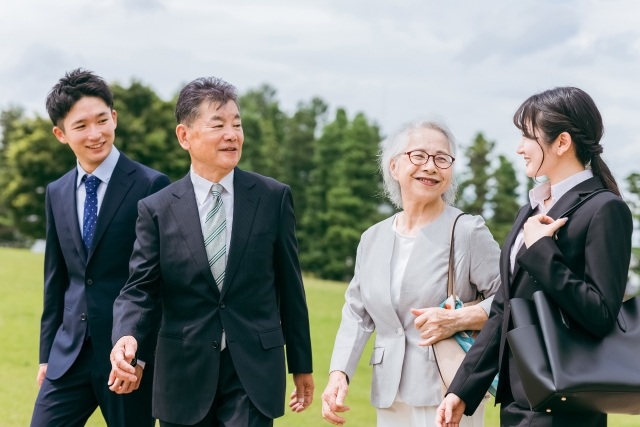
[584,271]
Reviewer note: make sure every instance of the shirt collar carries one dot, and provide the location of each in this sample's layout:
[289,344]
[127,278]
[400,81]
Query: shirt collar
[202,186]
[538,195]
[104,170]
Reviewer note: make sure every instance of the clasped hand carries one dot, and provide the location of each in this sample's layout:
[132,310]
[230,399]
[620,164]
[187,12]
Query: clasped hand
[434,324]
[539,226]
[124,378]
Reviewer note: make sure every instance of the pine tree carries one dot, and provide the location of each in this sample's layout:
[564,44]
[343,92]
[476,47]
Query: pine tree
[474,190]
[504,201]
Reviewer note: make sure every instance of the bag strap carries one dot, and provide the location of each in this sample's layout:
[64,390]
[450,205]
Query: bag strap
[579,205]
[451,290]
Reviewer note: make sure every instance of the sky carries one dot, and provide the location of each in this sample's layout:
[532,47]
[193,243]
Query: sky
[471,63]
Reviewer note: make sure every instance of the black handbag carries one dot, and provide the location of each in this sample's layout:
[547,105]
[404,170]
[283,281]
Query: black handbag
[564,368]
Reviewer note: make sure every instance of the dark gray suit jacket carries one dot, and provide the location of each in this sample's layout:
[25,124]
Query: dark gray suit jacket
[262,303]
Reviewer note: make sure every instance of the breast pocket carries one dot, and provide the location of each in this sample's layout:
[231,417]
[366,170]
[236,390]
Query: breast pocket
[122,227]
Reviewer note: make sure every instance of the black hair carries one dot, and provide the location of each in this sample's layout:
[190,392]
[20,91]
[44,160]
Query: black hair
[203,89]
[71,88]
[571,110]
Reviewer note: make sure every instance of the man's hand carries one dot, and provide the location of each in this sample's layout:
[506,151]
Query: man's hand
[41,374]
[540,226]
[333,398]
[302,395]
[435,324]
[127,386]
[121,370]
[450,411]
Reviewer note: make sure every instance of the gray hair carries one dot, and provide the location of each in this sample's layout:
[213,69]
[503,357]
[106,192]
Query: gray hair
[203,89]
[394,145]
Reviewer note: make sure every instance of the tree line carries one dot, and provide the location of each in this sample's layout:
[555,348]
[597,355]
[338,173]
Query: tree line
[330,163]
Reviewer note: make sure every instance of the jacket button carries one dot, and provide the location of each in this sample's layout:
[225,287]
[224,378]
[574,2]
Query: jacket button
[399,332]
[89,282]
[83,317]
[222,304]
[215,344]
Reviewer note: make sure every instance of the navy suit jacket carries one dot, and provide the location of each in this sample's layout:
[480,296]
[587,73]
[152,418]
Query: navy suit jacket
[80,287]
[261,306]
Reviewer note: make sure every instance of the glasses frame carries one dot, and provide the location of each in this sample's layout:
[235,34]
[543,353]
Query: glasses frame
[429,156]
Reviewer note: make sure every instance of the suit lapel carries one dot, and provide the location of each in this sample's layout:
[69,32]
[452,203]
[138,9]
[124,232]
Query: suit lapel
[566,202]
[185,211]
[245,203]
[505,268]
[69,200]
[121,181]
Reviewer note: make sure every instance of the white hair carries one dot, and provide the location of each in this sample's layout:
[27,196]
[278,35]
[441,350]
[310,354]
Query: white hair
[394,145]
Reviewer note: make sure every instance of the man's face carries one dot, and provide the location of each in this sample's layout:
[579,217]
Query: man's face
[89,129]
[214,140]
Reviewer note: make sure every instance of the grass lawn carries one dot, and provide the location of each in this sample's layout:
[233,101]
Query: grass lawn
[21,306]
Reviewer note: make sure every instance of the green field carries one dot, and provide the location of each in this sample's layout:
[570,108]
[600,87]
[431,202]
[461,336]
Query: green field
[21,306]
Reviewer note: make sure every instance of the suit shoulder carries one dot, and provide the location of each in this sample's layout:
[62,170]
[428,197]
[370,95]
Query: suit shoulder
[146,171]
[60,181]
[375,229]
[265,182]
[160,197]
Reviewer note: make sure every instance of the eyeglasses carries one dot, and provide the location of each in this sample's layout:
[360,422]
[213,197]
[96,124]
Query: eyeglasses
[420,157]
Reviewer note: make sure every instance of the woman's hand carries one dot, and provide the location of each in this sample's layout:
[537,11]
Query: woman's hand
[450,411]
[333,398]
[540,226]
[435,324]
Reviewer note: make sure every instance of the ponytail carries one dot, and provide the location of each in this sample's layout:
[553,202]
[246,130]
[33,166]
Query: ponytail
[600,168]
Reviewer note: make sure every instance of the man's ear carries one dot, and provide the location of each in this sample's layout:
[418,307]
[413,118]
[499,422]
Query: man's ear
[114,116]
[59,133]
[564,143]
[182,132]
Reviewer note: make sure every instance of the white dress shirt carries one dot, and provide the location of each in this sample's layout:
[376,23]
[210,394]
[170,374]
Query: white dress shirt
[402,247]
[204,198]
[538,195]
[103,172]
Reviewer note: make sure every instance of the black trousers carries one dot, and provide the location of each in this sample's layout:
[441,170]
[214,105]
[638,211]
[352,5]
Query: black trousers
[231,407]
[70,400]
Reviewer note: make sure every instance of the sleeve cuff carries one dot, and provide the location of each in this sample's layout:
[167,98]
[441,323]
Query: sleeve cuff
[141,363]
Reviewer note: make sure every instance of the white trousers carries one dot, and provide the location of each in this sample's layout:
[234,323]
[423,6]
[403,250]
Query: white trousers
[402,415]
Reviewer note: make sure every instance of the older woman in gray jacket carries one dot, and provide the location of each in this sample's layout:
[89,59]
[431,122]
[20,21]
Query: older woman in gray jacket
[401,278]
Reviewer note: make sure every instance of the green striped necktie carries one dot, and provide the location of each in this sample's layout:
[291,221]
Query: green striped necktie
[215,242]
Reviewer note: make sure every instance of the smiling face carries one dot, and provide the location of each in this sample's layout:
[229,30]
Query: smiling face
[537,161]
[426,183]
[214,140]
[89,129]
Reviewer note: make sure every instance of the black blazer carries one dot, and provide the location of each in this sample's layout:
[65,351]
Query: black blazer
[262,303]
[585,272]
[80,287]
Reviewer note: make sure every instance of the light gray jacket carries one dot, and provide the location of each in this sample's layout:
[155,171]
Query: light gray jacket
[399,364]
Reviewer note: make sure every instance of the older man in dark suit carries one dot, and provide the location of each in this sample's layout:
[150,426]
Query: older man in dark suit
[218,250]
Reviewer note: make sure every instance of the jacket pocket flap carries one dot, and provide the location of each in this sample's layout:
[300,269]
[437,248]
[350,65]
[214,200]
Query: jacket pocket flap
[376,356]
[270,339]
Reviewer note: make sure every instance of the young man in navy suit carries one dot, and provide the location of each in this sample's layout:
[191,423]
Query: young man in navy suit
[91,215]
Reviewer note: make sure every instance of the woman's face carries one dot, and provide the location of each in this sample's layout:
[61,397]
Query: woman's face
[427,182]
[533,156]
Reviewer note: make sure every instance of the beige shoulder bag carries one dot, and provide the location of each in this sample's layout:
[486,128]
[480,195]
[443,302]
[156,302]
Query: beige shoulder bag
[448,353]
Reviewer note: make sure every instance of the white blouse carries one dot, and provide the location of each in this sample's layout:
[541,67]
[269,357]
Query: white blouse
[402,247]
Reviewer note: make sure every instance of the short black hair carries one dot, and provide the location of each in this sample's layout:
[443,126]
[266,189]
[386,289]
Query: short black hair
[71,88]
[203,89]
